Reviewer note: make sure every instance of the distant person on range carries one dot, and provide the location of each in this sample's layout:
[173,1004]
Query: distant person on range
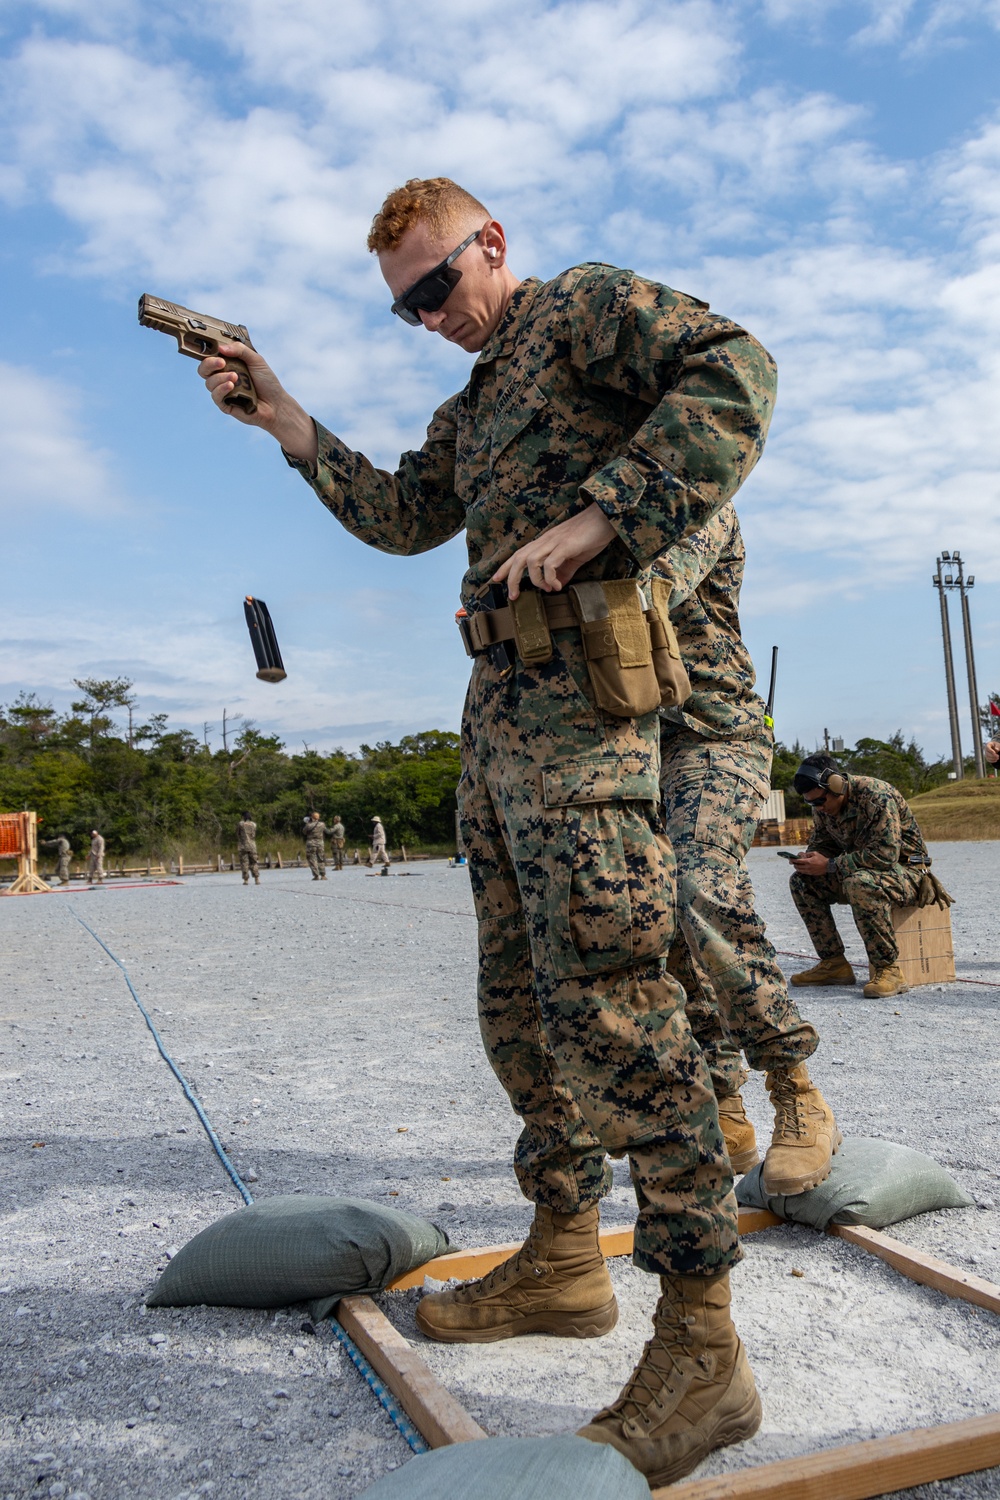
[866,852]
[314,832]
[95,859]
[246,843]
[64,854]
[378,854]
[337,837]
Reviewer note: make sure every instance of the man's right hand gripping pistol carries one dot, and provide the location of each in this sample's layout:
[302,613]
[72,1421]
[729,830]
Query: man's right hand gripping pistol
[240,381]
[198,335]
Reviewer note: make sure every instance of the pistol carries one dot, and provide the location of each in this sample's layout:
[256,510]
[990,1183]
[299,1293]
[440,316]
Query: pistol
[198,335]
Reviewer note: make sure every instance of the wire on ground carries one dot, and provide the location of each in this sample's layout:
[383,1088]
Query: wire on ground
[405,1426]
[386,1397]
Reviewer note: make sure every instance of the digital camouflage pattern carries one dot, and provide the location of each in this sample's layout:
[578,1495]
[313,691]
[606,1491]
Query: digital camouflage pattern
[64,854]
[337,836]
[314,832]
[705,572]
[598,386]
[712,795]
[715,773]
[246,844]
[870,841]
[573,883]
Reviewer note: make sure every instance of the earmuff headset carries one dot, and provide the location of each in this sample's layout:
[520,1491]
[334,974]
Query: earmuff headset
[808,777]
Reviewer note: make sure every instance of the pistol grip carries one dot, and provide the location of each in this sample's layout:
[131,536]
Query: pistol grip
[244,394]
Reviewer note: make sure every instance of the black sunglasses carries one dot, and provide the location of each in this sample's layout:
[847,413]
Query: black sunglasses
[433,290]
[818,801]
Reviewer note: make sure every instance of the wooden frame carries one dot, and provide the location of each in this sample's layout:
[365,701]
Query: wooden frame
[25,825]
[856,1471]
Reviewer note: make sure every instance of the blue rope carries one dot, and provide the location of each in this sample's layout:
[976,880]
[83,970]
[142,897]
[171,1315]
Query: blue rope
[386,1397]
[216,1144]
[403,1422]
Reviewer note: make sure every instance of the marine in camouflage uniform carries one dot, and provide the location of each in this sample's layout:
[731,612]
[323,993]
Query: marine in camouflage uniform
[606,416]
[598,386]
[868,844]
[314,832]
[95,859]
[338,835]
[715,772]
[64,854]
[246,844]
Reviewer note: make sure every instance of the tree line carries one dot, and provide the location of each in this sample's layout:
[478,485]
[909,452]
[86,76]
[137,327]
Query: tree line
[152,790]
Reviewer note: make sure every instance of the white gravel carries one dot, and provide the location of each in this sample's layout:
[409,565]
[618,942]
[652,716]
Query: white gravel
[331,1034]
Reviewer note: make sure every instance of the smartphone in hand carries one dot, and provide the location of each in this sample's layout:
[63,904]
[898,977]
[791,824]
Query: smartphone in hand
[785,854]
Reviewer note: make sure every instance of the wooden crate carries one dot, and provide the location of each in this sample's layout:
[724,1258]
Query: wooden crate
[926,949]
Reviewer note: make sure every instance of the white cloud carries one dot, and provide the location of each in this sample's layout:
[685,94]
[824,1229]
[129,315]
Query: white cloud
[620,129]
[46,457]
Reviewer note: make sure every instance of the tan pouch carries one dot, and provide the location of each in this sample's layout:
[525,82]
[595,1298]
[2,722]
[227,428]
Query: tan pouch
[532,636]
[675,685]
[617,646]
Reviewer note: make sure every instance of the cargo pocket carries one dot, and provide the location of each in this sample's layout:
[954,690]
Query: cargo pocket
[608,867]
[731,804]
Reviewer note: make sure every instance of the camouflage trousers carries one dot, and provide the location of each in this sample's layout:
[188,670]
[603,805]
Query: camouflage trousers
[871,895]
[337,845]
[316,855]
[95,867]
[737,996]
[248,864]
[574,889]
[62,869]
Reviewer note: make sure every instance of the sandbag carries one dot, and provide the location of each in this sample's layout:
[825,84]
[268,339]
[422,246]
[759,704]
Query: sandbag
[556,1468]
[297,1249]
[874,1183]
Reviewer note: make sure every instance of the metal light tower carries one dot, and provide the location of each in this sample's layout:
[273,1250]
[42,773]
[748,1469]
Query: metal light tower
[943,581]
[963,585]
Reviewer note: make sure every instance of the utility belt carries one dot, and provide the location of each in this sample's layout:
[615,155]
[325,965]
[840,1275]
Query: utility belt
[629,644]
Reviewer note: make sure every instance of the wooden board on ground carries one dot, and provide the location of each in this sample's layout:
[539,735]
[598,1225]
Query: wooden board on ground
[926,1269]
[464,1265]
[860,1470]
[926,948]
[431,1408]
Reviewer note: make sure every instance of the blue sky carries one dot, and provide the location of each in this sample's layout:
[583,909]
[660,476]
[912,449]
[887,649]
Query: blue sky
[827,173]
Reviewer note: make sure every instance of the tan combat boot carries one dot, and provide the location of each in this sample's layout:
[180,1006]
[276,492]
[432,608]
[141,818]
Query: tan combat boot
[691,1392]
[739,1134]
[557,1282]
[805,1137]
[827,971]
[884,982]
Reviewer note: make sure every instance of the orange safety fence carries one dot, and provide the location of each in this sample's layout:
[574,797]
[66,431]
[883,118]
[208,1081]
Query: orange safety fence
[14,836]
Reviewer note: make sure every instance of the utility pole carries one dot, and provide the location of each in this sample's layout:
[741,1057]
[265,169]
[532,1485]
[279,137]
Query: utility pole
[942,582]
[964,584]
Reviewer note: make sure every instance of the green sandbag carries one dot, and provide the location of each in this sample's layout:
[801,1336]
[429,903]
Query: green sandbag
[297,1249]
[556,1468]
[874,1183]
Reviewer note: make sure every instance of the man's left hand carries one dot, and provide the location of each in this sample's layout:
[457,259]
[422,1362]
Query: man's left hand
[810,864]
[555,555]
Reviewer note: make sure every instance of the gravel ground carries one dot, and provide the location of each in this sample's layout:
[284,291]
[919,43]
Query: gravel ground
[330,1032]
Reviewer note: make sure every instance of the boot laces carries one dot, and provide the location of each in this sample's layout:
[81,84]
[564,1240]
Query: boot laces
[789,1116]
[521,1263]
[660,1359]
